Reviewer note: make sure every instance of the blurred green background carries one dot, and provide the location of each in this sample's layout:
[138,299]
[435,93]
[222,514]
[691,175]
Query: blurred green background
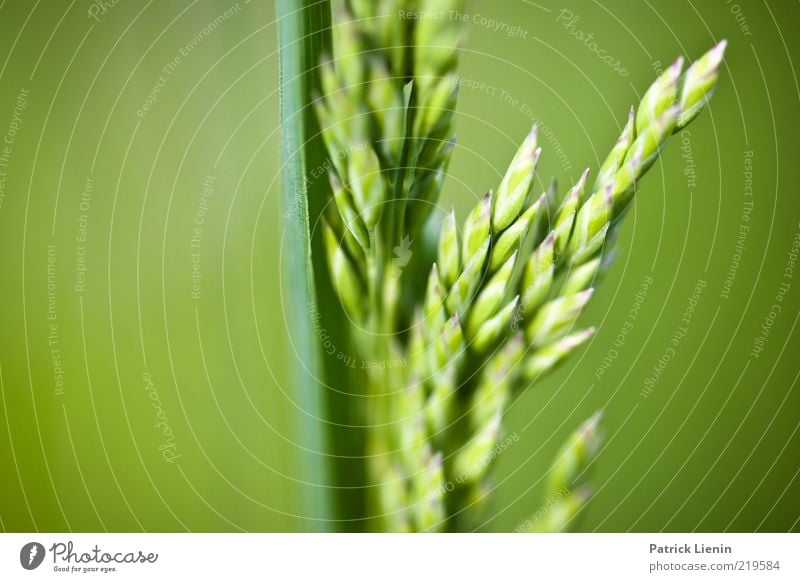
[144,372]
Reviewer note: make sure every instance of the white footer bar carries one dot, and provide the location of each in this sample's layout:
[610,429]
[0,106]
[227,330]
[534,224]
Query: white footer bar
[356,557]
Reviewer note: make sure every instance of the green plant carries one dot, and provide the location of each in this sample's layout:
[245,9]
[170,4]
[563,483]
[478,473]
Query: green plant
[302,33]
[497,307]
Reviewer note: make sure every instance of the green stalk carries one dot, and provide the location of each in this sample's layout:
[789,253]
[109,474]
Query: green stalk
[303,30]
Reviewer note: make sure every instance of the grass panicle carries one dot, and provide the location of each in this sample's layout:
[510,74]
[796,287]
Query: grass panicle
[504,291]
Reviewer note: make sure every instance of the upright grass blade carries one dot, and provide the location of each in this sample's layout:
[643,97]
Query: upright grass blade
[303,27]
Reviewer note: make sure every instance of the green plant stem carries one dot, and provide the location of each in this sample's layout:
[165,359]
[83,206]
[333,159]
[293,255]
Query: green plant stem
[302,30]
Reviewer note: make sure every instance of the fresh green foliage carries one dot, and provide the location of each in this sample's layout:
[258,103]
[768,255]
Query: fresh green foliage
[503,296]
[303,22]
